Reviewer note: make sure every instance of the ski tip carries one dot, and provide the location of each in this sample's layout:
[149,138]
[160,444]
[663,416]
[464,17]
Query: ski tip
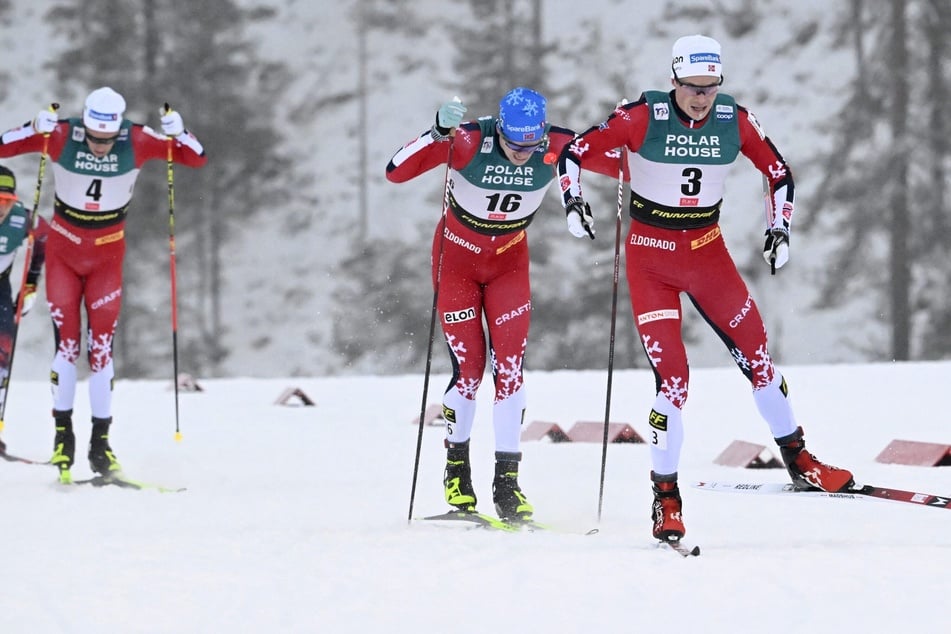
[679,547]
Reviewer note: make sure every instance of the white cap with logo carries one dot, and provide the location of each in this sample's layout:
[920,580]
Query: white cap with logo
[103,111]
[696,56]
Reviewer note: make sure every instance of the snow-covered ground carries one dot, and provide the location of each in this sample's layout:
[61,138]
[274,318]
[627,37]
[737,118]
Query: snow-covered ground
[294,518]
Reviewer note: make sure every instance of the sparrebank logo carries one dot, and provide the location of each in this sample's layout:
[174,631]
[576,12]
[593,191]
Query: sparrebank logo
[696,58]
[103,116]
[523,128]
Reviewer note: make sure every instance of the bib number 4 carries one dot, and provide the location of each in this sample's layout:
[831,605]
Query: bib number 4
[94,190]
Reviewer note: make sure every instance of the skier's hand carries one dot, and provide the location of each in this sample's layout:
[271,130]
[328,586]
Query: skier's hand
[449,116]
[172,124]
[29,298]
[45,121]
[580,218]
[776,249]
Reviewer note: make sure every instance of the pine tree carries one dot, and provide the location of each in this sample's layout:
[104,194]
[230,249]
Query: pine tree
[883,198]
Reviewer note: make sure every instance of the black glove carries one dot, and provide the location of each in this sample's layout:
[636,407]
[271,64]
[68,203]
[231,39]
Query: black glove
[580,218]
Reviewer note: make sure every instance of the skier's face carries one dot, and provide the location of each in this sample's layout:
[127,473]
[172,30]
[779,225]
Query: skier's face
[695,95]
[6,204]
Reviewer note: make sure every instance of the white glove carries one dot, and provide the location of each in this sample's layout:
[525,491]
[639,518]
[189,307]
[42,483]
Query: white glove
[172,124]
[580,218]
[45,121]
[776,249]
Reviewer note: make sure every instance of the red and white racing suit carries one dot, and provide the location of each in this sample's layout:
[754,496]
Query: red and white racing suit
[674,246]
[86,243]
[480,263]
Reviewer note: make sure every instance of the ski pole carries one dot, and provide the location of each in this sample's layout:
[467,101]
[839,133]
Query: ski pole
[172,270]
[28,255]
[432,326]
[617,268]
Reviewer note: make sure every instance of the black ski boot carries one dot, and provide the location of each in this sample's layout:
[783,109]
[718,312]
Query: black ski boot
[64,444]
[101,458]
[457,479]
[510,503]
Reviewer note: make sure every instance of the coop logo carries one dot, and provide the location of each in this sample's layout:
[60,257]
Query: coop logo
[724,112]
[459,316]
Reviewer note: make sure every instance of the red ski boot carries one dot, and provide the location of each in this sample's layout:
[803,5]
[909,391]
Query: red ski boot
[666,510]
[807,473]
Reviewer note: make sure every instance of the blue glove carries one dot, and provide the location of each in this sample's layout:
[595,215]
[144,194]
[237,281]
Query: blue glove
[449,116]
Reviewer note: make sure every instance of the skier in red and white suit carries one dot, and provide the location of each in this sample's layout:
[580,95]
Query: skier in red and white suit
[680,146]
[96,160]
[501,169]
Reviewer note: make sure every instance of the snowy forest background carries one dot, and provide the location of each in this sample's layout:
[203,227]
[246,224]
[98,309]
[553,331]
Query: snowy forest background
[296,257]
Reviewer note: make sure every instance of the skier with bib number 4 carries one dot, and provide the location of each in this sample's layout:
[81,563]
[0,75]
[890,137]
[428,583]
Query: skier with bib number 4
[96,159]
[501,168]
[680,145]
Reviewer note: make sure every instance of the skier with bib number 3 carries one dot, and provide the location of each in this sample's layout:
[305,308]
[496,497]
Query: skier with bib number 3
[501,169]
[680,145]
[96,160]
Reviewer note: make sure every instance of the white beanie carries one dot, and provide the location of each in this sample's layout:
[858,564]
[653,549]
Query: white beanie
[697,55]
[103,111]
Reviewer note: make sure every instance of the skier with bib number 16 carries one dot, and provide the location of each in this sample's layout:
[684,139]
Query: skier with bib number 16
[501,168]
